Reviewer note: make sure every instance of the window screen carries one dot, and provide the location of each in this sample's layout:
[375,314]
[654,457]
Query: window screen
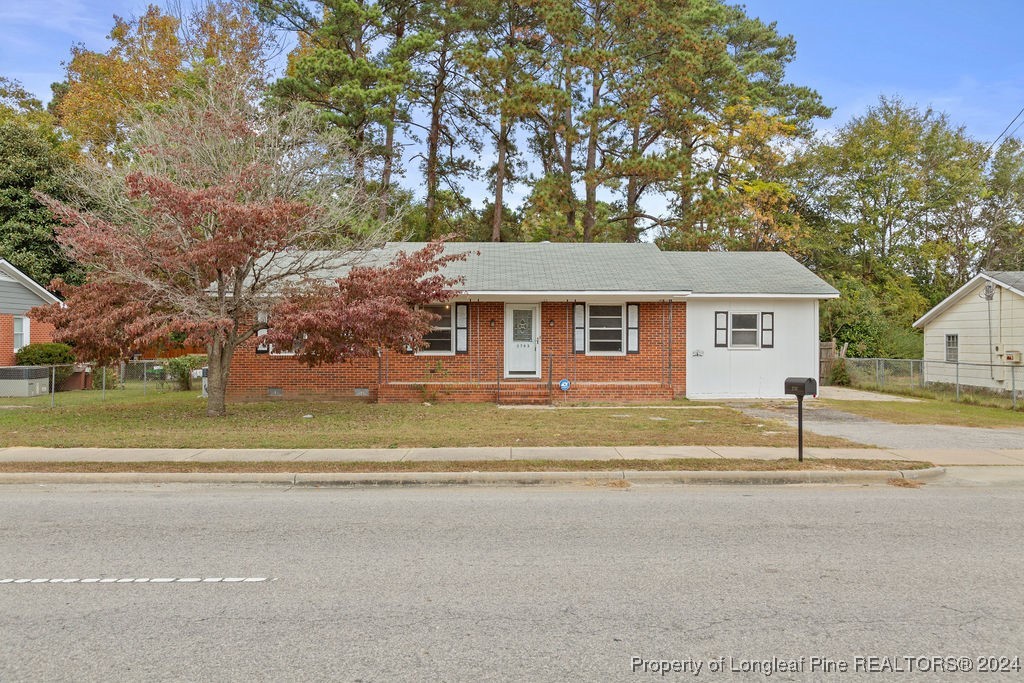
[605,329]
[440,336]
[952,348]
[743,330]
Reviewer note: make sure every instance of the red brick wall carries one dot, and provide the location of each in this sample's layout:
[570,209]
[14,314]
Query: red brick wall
[38,334]
[658,371]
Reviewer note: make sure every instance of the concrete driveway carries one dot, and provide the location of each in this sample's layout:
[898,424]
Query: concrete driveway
[829,421]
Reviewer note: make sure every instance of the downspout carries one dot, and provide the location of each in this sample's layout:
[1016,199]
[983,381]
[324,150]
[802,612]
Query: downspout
[991,358]
[671,333]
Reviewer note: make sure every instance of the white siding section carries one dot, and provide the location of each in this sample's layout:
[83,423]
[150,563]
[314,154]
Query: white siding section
[750,373]
[979,343]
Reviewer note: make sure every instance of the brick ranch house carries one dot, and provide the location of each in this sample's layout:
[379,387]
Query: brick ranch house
[608,322]
[18,294]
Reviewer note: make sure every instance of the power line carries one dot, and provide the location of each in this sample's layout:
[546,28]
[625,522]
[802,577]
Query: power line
[999,137]
[984,157]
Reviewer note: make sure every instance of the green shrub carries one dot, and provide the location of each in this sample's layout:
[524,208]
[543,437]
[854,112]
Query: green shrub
[48,354]
[111,375]
[180,369]
[44,354]
[838,376]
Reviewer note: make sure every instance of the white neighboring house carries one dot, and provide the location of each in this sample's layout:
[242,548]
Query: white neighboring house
[976,334]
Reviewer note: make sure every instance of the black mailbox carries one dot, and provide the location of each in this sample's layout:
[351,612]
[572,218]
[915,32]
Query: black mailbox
[801,386]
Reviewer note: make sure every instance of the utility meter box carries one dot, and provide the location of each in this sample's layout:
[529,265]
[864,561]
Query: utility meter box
[801,386]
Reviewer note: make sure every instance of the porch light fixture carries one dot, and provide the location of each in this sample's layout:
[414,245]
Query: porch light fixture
[492,322]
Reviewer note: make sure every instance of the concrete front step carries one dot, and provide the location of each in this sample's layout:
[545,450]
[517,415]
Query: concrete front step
[523,400]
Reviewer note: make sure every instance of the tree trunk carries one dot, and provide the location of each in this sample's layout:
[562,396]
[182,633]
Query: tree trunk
[434,141]
[359,163]
[632,192]
[570,195]
[590,211]
[499,180]
[389,160]
[389,142]
[219,354]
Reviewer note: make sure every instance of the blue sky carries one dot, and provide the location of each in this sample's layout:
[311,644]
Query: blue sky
[963,58]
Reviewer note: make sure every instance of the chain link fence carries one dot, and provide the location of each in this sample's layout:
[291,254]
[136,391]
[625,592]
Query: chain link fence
[83,383]
[993,384]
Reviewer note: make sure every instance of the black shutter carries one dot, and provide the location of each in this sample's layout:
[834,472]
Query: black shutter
[768,330]
[721,328]
[461,328]
[632,328]
[579,327]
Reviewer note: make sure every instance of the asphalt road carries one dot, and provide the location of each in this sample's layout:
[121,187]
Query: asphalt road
[504,584]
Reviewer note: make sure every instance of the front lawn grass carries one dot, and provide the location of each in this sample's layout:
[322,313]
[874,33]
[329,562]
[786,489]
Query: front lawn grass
[932,411]
[663,465]
[175,419]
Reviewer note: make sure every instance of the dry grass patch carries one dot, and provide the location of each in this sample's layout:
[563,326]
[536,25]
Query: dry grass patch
[177,420]
[291,466]
[901,483]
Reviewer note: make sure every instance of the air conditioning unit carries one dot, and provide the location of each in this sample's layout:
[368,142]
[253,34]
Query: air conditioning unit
[1012,357]
[24,381]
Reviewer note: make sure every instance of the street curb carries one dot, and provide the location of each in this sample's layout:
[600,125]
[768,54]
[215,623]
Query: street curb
[355,479]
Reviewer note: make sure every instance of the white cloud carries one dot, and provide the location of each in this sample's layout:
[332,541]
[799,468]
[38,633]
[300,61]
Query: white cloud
[74,18]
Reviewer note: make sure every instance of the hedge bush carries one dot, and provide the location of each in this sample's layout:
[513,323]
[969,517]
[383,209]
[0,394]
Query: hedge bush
[44,354]
[839,376]
[48,354]
[180,369]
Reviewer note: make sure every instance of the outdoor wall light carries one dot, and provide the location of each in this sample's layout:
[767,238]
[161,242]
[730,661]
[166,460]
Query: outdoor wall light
[492,322]
[551,323]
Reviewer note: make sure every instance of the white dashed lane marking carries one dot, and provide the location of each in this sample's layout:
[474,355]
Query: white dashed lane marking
[240,579]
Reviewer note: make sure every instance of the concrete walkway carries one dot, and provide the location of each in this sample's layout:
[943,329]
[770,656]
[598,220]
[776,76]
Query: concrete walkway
[979,456]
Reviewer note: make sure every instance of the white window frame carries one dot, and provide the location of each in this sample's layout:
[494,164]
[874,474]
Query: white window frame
[756,330]
[622,331]
[956,347]
[450,328]
[25,334]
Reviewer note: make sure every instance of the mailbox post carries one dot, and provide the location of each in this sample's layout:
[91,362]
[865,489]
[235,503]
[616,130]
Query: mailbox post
[800,387]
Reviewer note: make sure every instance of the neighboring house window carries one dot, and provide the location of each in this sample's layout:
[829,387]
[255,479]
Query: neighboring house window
[743,330]
[605,329]
[952,348]
[440,338]
[21,332]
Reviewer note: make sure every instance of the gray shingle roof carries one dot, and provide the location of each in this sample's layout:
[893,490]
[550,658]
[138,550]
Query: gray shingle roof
[1010,278]
[746,272]
[617,267]
[556,267]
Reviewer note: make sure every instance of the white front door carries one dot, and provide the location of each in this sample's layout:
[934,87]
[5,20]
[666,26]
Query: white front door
[522,340]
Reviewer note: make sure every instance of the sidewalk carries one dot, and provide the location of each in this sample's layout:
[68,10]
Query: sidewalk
[941,457]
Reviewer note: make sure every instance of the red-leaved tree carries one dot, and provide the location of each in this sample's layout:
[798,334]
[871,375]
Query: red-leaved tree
[227,210]
[371,309]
